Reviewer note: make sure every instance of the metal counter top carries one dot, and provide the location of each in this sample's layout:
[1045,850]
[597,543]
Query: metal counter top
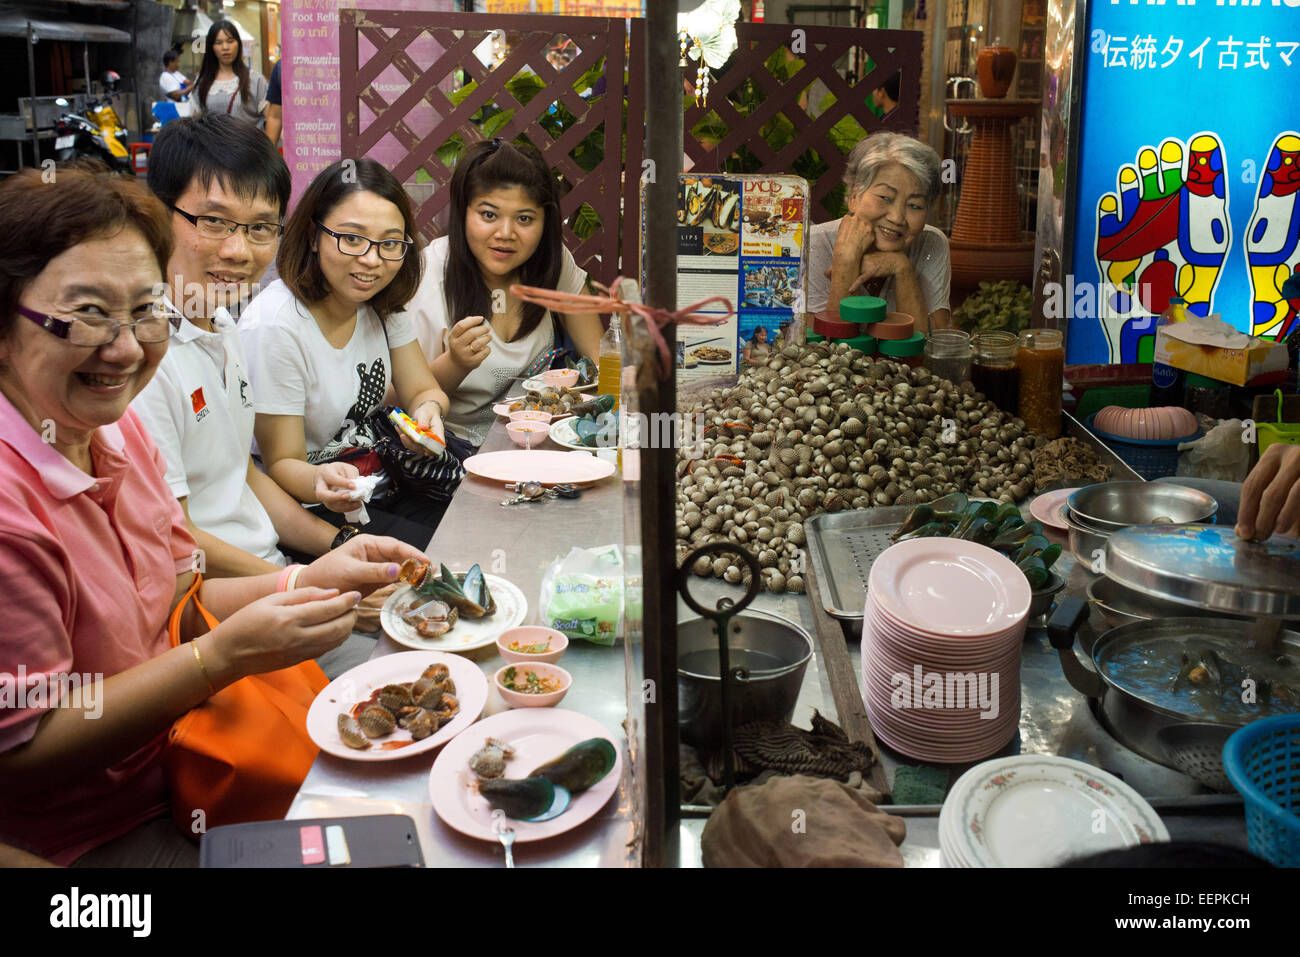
[520,542]
[517,543]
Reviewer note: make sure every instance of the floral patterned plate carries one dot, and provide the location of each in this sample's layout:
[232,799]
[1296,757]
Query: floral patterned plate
[1039,810]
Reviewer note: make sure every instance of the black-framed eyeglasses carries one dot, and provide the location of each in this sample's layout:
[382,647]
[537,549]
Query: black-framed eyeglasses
[93,331]
[350,244]
[214,227]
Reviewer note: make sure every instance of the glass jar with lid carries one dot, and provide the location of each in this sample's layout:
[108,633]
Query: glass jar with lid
[948,355]
[994,371]
[1040,358]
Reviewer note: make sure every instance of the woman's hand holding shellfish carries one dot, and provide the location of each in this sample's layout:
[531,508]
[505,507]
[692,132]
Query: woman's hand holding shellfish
[363,564]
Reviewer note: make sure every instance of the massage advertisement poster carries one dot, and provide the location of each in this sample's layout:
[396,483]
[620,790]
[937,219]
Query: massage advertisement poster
[740,237]
[1189,171]
[309,84]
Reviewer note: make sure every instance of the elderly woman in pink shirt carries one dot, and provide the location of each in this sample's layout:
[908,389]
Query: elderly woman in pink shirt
[94,551]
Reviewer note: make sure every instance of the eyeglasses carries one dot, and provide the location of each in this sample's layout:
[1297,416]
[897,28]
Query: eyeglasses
[214,227]
[350,244]
[93,331]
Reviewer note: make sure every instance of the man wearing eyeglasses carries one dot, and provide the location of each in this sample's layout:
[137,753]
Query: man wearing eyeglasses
[227,188]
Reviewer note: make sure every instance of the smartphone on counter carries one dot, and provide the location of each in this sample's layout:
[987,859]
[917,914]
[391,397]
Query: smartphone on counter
[376,840]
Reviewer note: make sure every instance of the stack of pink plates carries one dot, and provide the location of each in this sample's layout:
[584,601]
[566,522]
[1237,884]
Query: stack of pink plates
[941,638]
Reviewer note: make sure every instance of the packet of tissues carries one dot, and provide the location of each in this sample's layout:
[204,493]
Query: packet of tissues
[582,594]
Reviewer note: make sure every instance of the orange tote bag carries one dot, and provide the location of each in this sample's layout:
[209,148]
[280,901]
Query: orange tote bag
[243,754]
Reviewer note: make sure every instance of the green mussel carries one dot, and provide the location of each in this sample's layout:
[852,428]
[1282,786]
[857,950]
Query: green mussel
[525,799]
[581,766]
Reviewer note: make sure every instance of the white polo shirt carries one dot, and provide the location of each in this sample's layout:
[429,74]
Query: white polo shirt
[199,410]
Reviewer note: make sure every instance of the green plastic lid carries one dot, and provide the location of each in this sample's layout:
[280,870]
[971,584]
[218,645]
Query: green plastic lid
[864,344]
[1204,382]
[862,309]
[814,337]
[901,348]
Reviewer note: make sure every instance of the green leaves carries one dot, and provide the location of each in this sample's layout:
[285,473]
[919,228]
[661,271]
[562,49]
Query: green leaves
[996,305]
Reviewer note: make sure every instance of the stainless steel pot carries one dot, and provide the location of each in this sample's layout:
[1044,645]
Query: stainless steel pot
[773,654]
[1136,722]
[1085,544]
[1111,506]
[1119,605]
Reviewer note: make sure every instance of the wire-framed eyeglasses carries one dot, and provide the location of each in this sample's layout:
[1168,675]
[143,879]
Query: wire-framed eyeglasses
[214,227]
[93,330]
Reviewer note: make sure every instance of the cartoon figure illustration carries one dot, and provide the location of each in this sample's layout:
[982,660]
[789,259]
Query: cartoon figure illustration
[1273,239]
[1164,233]
[371,386]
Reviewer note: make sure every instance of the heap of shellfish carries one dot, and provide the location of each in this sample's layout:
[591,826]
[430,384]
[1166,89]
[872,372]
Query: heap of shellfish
[420,707]
[824,428]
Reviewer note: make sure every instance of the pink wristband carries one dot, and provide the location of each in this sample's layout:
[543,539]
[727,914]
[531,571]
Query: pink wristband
[283,583]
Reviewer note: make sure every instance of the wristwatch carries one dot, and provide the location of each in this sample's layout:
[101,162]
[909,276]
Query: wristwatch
[346,532]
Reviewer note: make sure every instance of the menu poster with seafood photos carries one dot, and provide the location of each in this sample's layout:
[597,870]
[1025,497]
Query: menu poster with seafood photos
[739,237]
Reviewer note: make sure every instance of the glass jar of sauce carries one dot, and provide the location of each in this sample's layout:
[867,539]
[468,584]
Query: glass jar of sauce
[994,371]
[1040,359]
[948,355]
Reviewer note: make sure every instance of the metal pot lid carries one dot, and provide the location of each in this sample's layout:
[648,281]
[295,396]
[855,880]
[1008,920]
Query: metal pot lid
[1209,567]
[1143,659]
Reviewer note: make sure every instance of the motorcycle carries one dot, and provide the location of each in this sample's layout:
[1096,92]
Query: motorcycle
[97,133]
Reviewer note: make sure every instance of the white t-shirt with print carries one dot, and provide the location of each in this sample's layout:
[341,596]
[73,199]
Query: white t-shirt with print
[295,370]
[199,409]
[471,414]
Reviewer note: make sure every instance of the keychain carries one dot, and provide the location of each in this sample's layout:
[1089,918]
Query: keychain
[536,492]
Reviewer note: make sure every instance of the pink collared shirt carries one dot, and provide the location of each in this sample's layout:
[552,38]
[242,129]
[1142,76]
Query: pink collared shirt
[88,570]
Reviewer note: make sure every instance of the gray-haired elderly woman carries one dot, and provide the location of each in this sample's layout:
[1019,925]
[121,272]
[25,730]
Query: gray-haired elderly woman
[883,246]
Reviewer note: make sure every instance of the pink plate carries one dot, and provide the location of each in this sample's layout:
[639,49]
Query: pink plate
[537,735]
[892,630]
[878,641]
[955,651]
[541,465]
[357,685]
[1046,508]
[950,587]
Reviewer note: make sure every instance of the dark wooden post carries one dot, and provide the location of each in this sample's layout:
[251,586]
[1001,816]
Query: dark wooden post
[663,125]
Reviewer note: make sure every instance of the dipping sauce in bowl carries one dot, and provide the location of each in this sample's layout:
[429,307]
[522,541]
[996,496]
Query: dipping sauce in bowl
[532,685]
[527,433]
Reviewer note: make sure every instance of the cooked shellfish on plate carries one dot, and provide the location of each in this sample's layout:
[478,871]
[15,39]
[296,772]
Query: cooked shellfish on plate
[342,695]
[536,736]
[467,633]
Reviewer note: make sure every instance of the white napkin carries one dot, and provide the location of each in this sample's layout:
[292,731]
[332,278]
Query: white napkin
[365,487]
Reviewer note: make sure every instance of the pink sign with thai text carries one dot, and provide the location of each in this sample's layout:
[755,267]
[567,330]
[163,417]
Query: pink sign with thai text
[309,84]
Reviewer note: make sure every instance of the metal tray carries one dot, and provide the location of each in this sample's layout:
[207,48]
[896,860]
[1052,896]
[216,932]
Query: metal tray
[842,547]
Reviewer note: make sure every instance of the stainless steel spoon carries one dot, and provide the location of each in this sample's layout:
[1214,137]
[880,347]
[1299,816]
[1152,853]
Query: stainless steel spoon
[506,835]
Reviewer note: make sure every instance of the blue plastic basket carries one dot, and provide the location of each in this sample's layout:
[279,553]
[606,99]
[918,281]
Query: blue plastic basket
[1262,761]
[1150,458]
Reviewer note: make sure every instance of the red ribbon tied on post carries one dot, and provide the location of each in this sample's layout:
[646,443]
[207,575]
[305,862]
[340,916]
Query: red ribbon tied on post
[655,318]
